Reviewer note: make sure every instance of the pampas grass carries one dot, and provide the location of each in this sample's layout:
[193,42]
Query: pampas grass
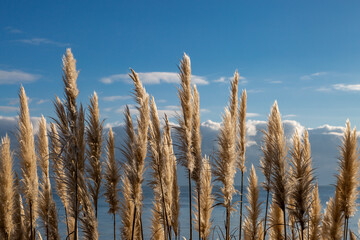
[7,196]
[28,164]
[315,215]
[207,200]
[224,168]
[47,207]
[301,183]
[348,177]
[252,224]
[276,222]
[94,138]
[278,181]
[184,131]
[196,144]
[242,149]
[19,213]
[112,179]
[332,222]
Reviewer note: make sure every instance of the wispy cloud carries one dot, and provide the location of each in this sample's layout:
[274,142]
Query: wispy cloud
[41,41]
[13,30]
[153,78]
[289,116]
[251,115]
[242,80]
[17,76]
[41,101]
[8,109]
[346,87]
[313,75]
[115,98]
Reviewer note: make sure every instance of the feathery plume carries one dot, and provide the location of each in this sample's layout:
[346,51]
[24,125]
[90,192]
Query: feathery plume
[94,133]
[196,145]
[157,230]
[315,215]
[276,222]
[28,164]
[206,199]
[7,196]
[352,235]
[242,149]
[252,224]
[348,177]
[18,216]
[59,171]
[184,130]
[332,223]
[47,207]
[278,181]
[300,182]
[112,179]
[224,168]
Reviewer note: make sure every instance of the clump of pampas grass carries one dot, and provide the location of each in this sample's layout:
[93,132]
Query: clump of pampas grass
[348,177]
[28,164]
[253,228]
[112,179]
[47,207]
[332,222]
[134,151]
[7,196]
[224,168]
[276,220]
[19,213]
[94,137]
[207,200]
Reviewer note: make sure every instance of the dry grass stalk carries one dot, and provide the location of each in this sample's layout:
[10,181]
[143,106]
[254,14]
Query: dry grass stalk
[59,171]
[157,220]
[278,150]
[224,168]
[242,150]
[94,138]
[301,183]
[315,215]
[196,145]
[276,222]
[252,224]
[161,182]
[175,205]
[70,124]
[19,214]
[348,177]
[7,196]
[332,222]
[352,235]
[47,207]
[112,179]
[207,201]
[186,157]
[28,164]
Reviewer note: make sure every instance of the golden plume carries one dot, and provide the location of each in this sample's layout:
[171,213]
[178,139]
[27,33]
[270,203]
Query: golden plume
[315,215]
[7,196]
[28,164]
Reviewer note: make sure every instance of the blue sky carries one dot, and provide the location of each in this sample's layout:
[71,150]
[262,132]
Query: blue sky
[305,54]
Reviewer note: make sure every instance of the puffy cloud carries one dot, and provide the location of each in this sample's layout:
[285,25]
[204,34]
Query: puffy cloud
[154,78]
[17,76]
[346,87]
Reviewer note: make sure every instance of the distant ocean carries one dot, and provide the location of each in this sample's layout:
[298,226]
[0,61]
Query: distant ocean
[105,222]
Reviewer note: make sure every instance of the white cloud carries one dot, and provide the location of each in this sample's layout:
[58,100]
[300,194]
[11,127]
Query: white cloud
[289,116]
[41,101]
[313,75]
[8,109]
[41,41]
[242,80]
[13,30]
[250,115]
[153,78]
[347,87]
[16,76]
[115,98]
